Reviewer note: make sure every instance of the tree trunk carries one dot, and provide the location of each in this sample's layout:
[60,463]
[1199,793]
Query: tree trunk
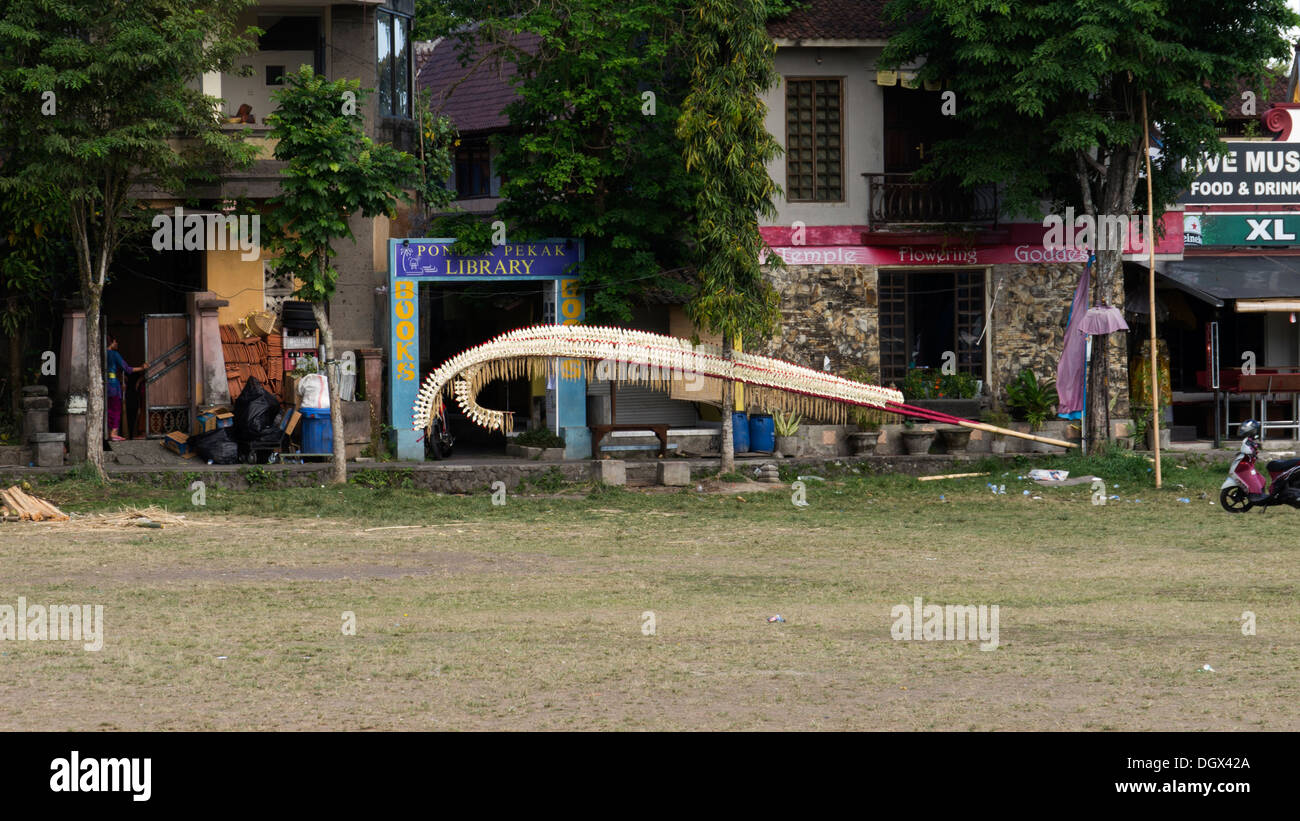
[95,376]
[16,375]
[340,474]
[728,448]
[1100,387]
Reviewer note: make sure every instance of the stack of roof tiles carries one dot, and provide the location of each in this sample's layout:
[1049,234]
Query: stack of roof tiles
[248,357]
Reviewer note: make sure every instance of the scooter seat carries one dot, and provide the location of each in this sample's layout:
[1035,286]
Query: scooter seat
[1281,465]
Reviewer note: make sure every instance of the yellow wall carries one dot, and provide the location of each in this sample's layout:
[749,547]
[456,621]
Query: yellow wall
[237,280]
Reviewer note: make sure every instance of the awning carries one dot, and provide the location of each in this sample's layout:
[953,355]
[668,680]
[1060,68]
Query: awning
[1218,278]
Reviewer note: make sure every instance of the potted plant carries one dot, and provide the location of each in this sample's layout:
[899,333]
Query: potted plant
[787,428]
[951,393]
[917,441]
[1035,400]
[998,419]
[863,442]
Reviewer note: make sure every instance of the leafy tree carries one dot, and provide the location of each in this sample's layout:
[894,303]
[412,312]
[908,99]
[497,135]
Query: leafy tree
[332,171]
[93,95]
[592,152]
[727,147]
[31,268]
[1050,92]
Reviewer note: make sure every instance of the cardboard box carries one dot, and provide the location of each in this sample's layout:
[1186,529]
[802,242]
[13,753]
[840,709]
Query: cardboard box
[178,443]
[290,422]
[205,422]
[225,420]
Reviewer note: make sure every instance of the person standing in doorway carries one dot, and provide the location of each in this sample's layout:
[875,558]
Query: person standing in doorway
[116,374]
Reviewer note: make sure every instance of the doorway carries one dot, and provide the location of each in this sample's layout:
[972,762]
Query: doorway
[924,315]
[455,317]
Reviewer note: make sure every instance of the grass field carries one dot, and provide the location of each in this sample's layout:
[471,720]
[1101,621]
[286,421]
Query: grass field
[532,615]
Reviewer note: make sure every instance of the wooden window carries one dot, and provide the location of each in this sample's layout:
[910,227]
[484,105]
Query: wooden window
[814,151]
[924,314]
[473,170]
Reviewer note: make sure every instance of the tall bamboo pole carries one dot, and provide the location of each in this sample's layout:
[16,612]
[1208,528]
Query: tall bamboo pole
[1151,290]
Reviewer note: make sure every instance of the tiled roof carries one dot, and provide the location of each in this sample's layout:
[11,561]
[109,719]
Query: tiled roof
[1275,90]
[473,96]
[833,20]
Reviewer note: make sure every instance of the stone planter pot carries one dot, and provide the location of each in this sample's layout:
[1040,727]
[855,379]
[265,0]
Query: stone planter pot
[998,446]
[955,439]
[863,442]
[917,442]
[1165,440]
[788,445]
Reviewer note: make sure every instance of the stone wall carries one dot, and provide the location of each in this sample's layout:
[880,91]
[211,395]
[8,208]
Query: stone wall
[1029,316]
[826,310]
[831,310]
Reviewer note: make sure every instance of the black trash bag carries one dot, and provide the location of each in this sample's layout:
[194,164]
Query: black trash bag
[257,413]
[216,446]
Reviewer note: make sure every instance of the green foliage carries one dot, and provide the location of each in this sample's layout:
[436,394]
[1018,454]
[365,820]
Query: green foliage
[727,147]
[119,74]
[1049,90]
[127,117]
[787,424]
[1035,400]
[998,419]
[928,383]
[549,481]
[383,479]
[332,170]
[539,438]
[473,235]
[587,157]
[258,477]
[732,477]
[1138,430]
[437,144]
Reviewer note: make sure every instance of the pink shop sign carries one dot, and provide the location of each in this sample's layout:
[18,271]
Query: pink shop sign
[931,255]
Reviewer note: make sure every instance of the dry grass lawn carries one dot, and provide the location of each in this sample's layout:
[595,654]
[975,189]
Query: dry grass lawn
[530,616]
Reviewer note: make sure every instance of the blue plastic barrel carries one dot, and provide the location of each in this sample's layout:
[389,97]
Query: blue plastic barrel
[317,430]
[740,431]
[762,432]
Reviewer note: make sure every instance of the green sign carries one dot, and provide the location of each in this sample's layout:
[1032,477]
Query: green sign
[1201,230]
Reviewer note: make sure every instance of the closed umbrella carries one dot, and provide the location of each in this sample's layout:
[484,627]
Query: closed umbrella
[1099,321]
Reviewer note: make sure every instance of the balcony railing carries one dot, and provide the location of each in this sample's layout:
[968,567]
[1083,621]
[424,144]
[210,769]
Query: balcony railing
[897,199]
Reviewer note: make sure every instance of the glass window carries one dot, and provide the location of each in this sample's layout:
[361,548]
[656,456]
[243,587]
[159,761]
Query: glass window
[813,150]
[384,37]
[394,64]
[473,171]
[401,67]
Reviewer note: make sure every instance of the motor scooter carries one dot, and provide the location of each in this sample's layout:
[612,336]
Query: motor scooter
[438,441]
[1246,487]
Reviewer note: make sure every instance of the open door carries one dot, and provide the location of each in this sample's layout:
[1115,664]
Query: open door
[167,395]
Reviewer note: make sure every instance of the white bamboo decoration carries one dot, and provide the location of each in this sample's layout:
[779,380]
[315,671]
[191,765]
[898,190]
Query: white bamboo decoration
[636,357]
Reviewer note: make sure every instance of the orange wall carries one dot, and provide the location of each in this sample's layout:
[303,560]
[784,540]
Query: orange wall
[234,279]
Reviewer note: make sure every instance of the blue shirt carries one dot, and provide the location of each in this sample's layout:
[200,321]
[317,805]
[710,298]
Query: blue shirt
[116,374]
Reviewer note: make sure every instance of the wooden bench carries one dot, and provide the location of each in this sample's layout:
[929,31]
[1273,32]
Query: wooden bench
[599,432]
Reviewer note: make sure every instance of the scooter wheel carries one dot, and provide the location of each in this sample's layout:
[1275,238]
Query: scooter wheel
[1234,500]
